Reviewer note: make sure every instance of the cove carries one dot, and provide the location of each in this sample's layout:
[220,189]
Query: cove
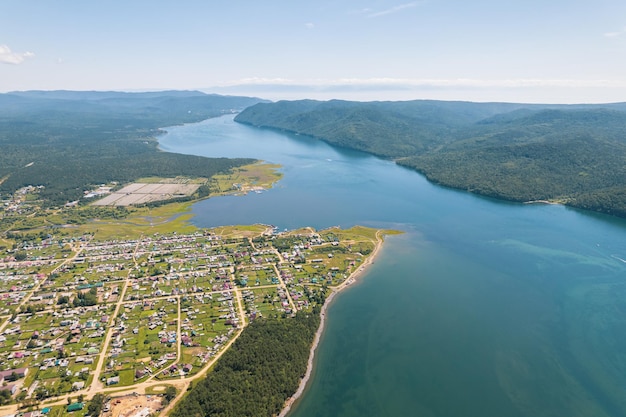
[482,308]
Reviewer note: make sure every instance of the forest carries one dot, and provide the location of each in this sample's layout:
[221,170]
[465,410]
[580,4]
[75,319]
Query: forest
[70,141]
[571,154]
[258,373]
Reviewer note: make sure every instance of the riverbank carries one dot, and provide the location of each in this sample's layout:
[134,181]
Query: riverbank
[350,280]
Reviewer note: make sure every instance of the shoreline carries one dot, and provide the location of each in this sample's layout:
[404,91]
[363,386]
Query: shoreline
[320,330]
[547,202]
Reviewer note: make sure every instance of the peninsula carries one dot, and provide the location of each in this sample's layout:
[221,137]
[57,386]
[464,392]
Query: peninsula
[110,306]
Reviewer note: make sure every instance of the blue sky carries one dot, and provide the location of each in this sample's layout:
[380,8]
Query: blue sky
[487,50]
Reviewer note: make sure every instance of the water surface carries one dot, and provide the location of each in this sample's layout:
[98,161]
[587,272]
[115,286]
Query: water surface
[483,308]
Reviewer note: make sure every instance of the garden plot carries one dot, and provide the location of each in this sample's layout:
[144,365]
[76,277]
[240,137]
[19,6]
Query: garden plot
[141,193]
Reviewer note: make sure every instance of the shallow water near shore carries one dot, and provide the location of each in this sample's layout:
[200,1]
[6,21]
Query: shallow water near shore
[483,308]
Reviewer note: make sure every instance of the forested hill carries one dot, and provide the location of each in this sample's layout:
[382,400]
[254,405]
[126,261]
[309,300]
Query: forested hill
[68,141]
[574,154]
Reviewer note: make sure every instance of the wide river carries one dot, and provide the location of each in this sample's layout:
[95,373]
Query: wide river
[482,308]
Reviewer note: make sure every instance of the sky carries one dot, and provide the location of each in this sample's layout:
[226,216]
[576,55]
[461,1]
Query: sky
[544,51]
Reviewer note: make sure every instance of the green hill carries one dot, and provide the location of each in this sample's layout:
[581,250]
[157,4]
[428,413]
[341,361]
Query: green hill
[575,154]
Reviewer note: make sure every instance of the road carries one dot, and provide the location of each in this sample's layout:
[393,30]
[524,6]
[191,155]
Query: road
[96,384]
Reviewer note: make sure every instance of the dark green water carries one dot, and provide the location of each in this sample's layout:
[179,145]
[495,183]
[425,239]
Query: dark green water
[483,308]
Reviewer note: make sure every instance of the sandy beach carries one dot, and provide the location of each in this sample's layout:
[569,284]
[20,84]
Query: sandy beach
[351,279]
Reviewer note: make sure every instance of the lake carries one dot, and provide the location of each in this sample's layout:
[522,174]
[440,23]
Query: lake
[482,308]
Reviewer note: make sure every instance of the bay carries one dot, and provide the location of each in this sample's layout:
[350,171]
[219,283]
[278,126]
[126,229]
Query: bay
[482,308]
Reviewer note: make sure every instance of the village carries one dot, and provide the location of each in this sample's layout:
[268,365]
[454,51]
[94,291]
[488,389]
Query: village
[82,316]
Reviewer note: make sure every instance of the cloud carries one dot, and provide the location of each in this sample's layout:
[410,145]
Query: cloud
[366,10]
[518,90]
[615,34]
[309,25]
[394,9]
[261,81]
[478,83]
[413,83]
[14,58]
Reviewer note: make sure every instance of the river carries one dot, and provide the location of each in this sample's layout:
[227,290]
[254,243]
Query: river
[482,308]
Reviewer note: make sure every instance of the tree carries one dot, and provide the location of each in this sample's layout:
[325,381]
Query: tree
[20,256]
[5,396]
[21,397]
[96,404]
[170,394]
[41,393]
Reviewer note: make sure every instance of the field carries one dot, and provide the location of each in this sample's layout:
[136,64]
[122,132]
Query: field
[142,193]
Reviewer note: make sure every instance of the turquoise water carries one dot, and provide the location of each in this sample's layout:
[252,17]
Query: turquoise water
[482,308]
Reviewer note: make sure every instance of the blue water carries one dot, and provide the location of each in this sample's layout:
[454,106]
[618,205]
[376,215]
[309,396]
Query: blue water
[482,308]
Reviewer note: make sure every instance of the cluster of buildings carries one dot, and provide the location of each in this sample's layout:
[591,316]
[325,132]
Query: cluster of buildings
[154,296]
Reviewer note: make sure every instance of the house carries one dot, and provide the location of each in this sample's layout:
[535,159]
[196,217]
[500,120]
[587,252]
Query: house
[78,385]
[13,374]
[12,388]
[113,380]
[75,407]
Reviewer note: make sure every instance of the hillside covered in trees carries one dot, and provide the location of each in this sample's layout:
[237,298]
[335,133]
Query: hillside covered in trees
[258,373]
[574,154]
[69,141]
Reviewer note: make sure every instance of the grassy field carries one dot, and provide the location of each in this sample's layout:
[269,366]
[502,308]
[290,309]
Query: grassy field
[165,219]
[256,176]
[175,217]
[240,231]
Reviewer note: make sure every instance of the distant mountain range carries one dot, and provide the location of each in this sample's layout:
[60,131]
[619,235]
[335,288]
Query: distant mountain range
[572,154]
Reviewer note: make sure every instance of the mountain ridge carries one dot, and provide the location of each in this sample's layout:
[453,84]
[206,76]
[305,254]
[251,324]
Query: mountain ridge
[572,154]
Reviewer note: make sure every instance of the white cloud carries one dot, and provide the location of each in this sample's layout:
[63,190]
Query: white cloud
[261,81]
[394,9]
[366,10]
[516,90]
[9,57]
[411,83]
[615,34]
[309,25]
